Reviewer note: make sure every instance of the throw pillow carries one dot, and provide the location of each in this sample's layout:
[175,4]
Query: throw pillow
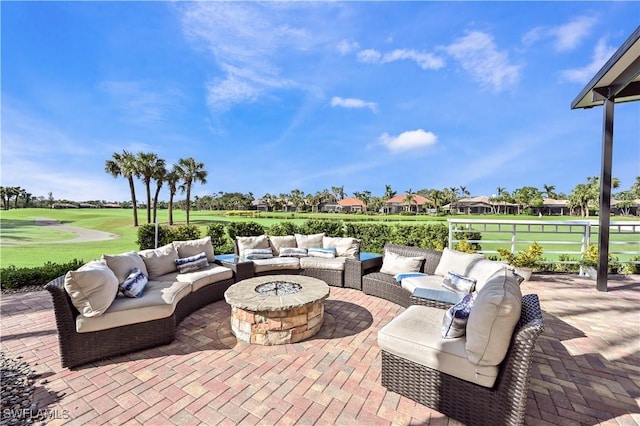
[160,261]
[122,264]
[307,241]
[459,283]
[258,254]
[92,288]
[280,241]
[393,264]
[193,247]
[399,277]
[293,252]
[455,319]
[327,253]
[192,263]
[244,243]
[134,284]
[345,246]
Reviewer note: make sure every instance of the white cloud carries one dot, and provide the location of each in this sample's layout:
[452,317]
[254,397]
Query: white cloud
[424,60]
[139,103]
[565,37]
[345,47]
[478,55]
[410,140]
[601,54]
[353,103]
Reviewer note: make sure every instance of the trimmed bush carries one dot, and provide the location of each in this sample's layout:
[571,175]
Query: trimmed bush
[12,277]
[166,234]
[283,228]
[244,229]
[331,228]
[219,238]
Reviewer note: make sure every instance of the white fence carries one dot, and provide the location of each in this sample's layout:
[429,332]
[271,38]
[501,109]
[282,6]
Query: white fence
[576,235]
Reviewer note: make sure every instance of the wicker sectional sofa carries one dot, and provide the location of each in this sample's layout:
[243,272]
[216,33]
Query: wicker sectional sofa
[480,376]
[335,260]
[95,321]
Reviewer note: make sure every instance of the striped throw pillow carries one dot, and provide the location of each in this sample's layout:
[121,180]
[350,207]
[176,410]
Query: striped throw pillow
[134,284]
[293,252]
[327,253]
[192,263]
[258,253]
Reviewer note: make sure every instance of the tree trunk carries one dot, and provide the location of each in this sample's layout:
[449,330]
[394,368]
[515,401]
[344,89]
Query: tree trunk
[188,206]
[148,185]
[171,209]
[155,204]
[133,201]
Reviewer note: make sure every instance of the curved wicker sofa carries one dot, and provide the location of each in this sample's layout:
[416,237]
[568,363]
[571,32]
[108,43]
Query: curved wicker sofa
[470,403]
[81,348]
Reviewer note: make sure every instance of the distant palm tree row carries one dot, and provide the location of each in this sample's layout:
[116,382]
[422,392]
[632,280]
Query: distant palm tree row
[148,167]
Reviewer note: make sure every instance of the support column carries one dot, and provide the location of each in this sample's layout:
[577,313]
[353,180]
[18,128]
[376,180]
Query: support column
[605,195]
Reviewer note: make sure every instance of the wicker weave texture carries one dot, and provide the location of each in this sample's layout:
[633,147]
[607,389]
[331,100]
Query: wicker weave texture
[504,404]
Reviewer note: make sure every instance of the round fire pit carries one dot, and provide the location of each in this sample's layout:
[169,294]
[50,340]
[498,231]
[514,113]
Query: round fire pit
[277,309]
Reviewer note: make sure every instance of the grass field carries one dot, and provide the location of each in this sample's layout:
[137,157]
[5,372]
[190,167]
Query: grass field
[26,244]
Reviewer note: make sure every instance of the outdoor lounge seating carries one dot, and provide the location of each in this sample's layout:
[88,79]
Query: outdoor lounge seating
[95,322]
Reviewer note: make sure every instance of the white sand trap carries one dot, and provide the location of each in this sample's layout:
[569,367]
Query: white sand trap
[83,235]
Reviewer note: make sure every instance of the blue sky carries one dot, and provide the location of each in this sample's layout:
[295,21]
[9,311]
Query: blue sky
[278,96]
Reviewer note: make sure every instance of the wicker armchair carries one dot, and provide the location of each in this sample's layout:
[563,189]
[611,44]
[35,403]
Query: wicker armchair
[504,404]
[382,285]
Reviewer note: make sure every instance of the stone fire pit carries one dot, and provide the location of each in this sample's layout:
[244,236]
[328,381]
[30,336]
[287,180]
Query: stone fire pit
[277,309]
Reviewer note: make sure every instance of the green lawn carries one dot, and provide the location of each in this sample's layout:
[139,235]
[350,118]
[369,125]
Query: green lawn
[18,227]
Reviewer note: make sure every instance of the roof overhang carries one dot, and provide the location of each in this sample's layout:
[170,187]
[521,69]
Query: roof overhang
[617,80]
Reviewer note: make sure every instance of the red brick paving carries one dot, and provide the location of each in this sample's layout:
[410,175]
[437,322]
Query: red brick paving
[586,366]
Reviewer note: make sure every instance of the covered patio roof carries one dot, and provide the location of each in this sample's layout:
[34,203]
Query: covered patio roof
[617,81]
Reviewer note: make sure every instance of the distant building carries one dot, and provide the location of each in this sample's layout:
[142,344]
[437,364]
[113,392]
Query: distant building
[399,204]
[351,205]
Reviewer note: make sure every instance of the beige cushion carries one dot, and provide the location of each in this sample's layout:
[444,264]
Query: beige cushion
[122,264]
[415,335]
[160,261]
[275,264]
[194,247]
[206,276]
[334,263]
[394,264]
[483,269]
[456,261]
[306,241]
[158,301]
[493,318]
[278,242]
[257,242]
[433,282]
[92,288]
[345,246]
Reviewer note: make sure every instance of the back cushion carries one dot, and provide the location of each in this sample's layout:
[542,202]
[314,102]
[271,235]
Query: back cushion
[257,242]
[160,261]
[278,242]
[457,262]
[92,288]
[483,269]
[345,246]
[194,247]
[493,318]
[394,264]
[307,241]
[123,264]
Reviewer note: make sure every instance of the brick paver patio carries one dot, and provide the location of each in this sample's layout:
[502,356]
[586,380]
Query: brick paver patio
[586,367]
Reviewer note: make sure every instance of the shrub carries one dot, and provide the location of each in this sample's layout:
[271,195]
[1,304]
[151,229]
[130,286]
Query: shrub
[464,246]
[373,236]
[331,228]
[219,239]
[283,228]
[529,258]
[566,267]
[184,232]
[632,268]
[12,277]
[166,234]
[244,229]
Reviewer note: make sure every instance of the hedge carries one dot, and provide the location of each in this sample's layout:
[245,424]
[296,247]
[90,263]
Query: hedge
[13,277]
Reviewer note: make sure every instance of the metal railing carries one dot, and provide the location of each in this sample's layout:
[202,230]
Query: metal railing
[577,234]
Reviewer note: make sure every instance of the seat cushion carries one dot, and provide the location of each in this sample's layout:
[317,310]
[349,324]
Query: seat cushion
[193,247]
[415,335]
[158,301]
[275,264]
[334,263]
[433,282]
[205,276]
[92,288]
[493,318]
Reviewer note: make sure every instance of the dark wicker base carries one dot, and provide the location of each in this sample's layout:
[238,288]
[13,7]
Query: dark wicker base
[504,404]
[81,348]
[331,277]
[385,286]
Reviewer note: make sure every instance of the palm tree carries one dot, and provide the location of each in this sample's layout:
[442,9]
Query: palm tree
[125,165]
[549,191]
[159,175]
[389,192]
[172,180]
[409,197]
[190,171]
[146,166]
[465,193]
